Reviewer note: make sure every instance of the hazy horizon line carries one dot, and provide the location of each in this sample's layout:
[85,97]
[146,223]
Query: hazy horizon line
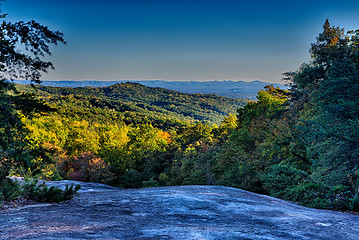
[216,80]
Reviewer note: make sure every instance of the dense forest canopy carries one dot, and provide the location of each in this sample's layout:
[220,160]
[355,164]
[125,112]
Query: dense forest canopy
[125,134]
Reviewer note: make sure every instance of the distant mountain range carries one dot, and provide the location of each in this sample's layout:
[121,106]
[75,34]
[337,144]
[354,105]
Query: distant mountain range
[234,89]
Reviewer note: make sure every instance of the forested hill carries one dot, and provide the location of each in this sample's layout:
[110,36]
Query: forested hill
[152,102]
[234,89]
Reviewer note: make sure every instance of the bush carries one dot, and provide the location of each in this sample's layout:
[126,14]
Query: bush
[85,167]
[30,189]
[291,184]
[131,179]
[42,193]
[150,183]
[354,204]
[278,180]
[164,179]
[11,190]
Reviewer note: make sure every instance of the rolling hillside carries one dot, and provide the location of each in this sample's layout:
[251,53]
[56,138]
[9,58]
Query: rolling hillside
[234,89]
[146,101]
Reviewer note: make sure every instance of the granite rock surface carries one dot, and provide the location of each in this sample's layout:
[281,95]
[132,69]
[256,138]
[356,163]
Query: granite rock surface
[179,212]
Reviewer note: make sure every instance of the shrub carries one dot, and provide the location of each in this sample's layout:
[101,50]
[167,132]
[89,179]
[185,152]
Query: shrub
[85,167]
[30,189]
[131,179]
[163,179]
[11,190]
[150,183]
[354,203]
[289,183]
[42,193]
[279,179]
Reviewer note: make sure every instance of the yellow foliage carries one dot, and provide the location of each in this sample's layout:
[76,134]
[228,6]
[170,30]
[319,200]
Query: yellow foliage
[165,136]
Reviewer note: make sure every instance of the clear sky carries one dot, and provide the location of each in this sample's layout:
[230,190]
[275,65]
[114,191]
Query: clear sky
[182,39]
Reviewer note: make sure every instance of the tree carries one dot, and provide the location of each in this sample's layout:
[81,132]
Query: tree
[14,64]
[327,91]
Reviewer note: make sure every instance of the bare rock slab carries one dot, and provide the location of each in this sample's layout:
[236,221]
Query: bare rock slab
[180,212]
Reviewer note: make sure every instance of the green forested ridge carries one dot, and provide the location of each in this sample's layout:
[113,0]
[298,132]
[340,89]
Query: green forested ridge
[136,98]
[299,144]
[225,88]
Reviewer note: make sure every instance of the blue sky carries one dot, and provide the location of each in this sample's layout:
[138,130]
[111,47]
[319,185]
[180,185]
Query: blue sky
[183,39]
